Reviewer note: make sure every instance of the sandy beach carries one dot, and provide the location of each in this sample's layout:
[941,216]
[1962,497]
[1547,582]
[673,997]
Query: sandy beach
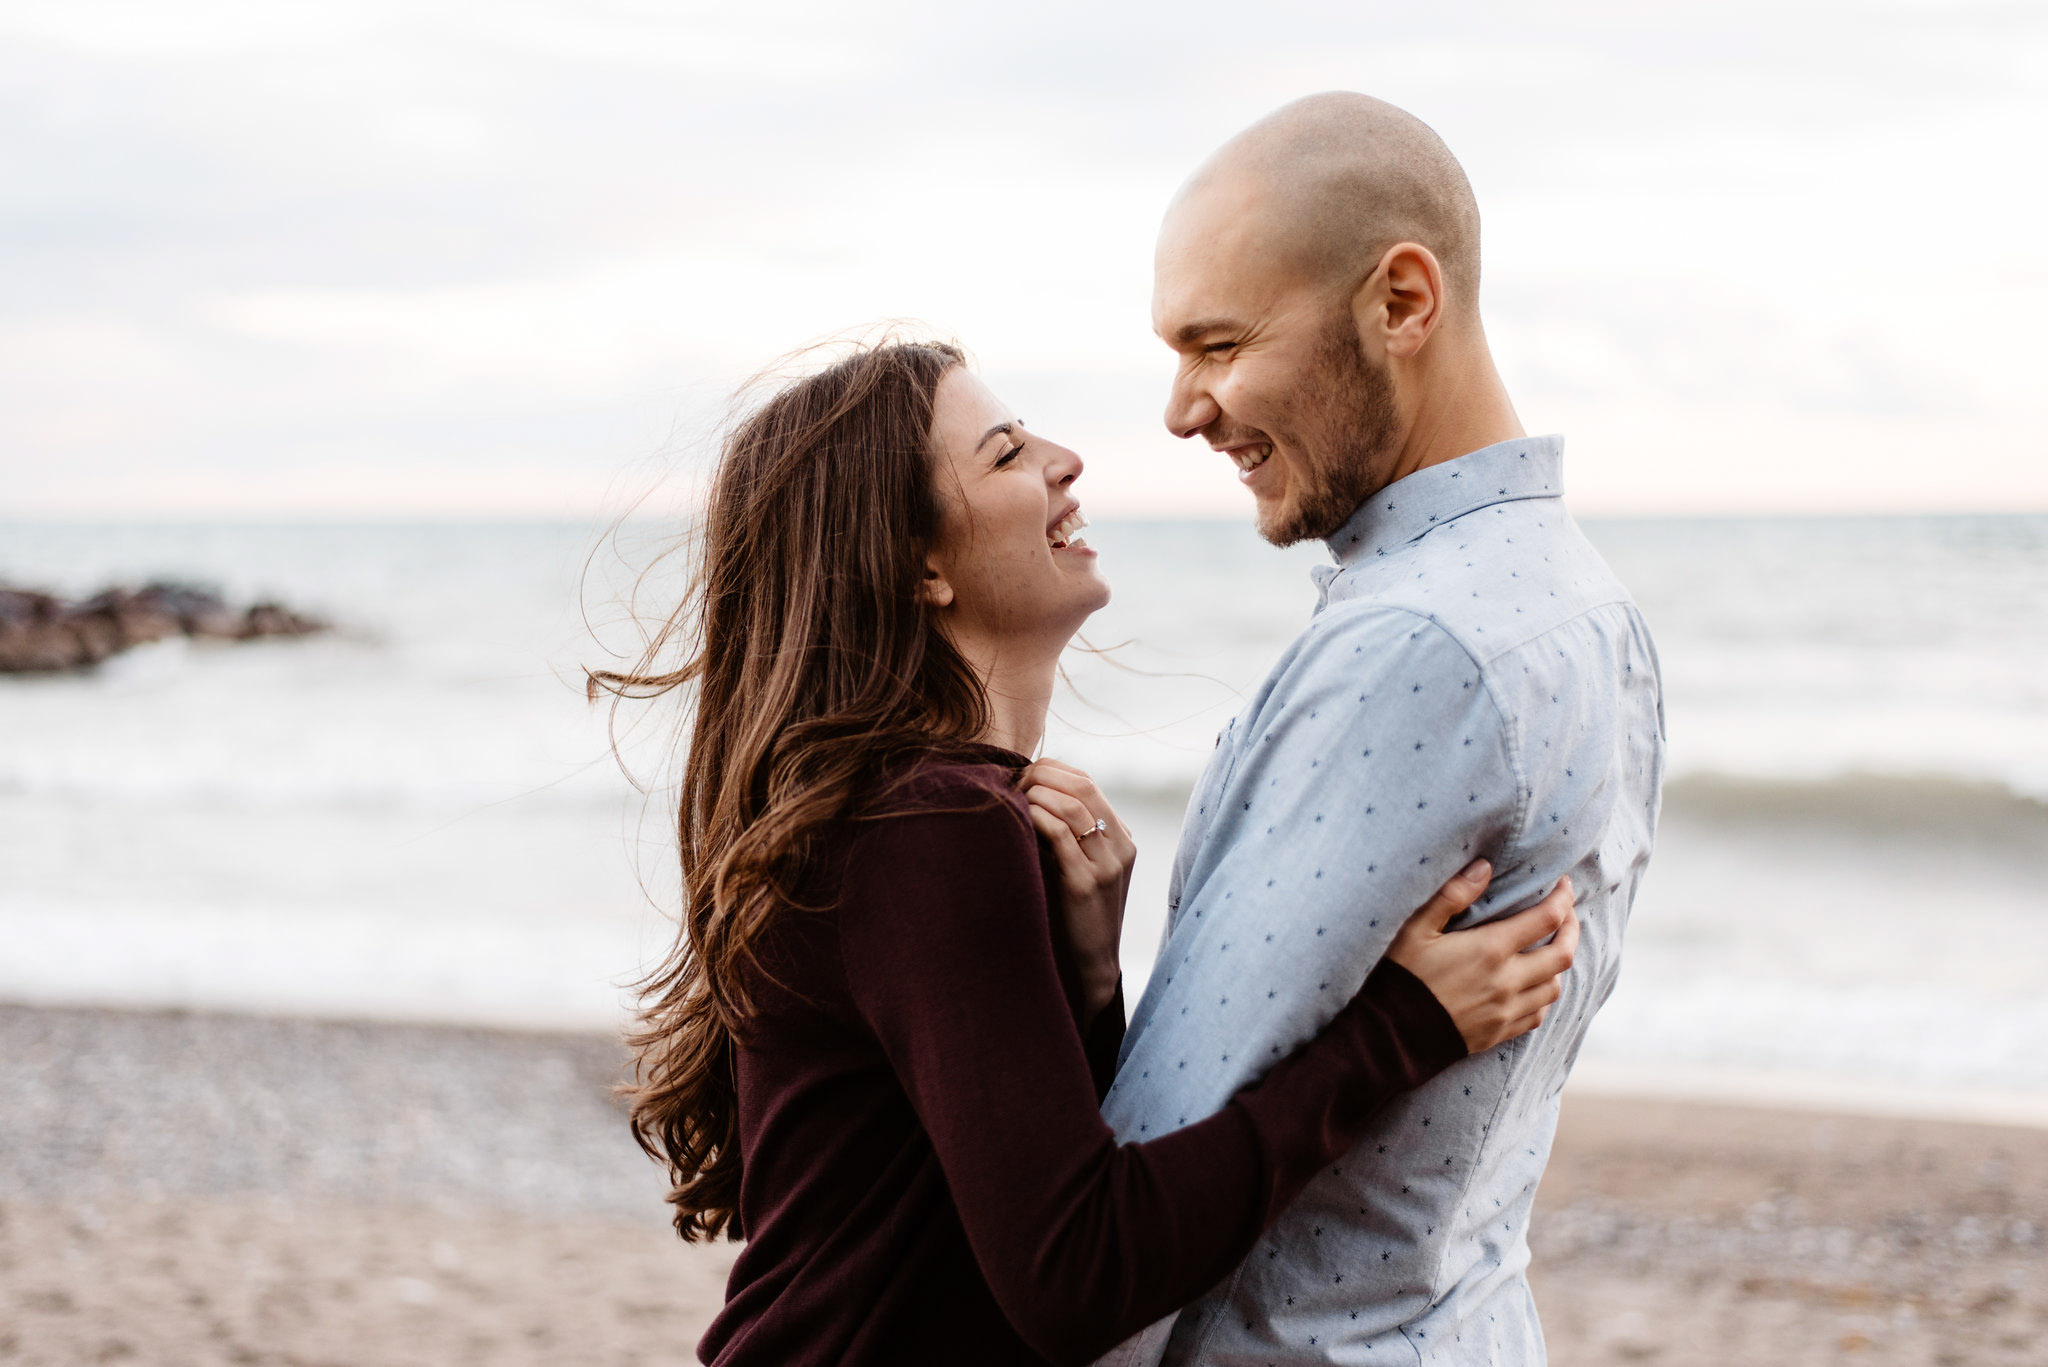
[216,1189]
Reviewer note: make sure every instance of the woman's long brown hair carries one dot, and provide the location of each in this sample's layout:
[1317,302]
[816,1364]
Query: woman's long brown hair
[818,668]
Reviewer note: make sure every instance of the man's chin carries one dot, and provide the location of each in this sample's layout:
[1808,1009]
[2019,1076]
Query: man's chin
[1279,521]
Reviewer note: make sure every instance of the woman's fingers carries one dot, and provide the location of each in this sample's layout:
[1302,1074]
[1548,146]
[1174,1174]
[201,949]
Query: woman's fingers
[1453,897]
[1075,797]
[1523,1012]
[1065,778]
[1065,847]
[1519,1028]
[1065,806]
[1104,852]
[1490,979]
[1548,961]
[1512,934]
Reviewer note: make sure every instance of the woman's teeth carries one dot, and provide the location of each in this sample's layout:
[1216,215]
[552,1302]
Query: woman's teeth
[1063,536]
[1250,458]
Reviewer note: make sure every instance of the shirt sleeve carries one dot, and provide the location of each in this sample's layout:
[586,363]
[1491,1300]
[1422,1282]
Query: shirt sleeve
[1371,769]
[948,954]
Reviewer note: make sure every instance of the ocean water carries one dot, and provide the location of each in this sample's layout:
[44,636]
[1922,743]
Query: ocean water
[418,817]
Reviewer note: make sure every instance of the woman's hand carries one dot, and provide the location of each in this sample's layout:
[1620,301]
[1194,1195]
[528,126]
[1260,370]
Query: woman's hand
[1489,978]
[1095,871]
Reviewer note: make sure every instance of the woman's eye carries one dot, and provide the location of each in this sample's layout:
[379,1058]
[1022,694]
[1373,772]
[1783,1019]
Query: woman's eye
[1009,455]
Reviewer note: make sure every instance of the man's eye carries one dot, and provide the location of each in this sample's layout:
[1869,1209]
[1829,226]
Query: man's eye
[1215,347]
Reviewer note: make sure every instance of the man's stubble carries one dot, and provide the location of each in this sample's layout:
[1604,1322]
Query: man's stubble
[1350,425]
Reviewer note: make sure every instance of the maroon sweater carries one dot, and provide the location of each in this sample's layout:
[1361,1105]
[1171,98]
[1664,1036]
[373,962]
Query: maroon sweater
[927,1177]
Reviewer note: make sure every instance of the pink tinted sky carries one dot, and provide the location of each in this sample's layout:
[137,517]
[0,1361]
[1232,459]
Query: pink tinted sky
[437,258]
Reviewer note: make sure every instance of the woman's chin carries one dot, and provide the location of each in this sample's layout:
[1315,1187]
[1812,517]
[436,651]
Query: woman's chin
[1098,599]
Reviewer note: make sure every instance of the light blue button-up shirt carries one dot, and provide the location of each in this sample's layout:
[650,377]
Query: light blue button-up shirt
[1475,682]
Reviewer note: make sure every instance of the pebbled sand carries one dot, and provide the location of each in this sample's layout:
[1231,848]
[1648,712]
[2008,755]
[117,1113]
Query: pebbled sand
[213,1189]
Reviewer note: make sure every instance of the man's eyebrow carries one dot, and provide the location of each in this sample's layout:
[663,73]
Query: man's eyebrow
[1188,332]
[998,430]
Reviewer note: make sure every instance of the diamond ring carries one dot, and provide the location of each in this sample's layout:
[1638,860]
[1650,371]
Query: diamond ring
[1100,827]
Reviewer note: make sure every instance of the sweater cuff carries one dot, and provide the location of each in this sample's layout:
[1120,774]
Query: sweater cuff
[1418,1017]
[1103,1041]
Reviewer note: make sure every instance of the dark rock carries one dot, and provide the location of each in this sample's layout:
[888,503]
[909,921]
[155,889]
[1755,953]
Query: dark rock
[199,612]
[40,632]
[274,619]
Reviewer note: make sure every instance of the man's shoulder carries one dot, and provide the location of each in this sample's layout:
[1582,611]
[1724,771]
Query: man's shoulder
[1492,581]
[1365,664]
[1368,634]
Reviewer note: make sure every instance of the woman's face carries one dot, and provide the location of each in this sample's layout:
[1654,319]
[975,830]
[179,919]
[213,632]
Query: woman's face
[1009,566]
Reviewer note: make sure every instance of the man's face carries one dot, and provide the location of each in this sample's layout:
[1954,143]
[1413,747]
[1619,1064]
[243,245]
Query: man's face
[1272,375]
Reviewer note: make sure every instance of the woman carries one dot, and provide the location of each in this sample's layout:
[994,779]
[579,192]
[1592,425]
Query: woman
[879,1044]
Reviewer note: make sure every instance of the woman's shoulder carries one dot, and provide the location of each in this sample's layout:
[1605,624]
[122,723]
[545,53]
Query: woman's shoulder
[965,781]
[942,859]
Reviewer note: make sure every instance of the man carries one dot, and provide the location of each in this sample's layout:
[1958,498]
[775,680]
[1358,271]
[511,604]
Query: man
[1474,683]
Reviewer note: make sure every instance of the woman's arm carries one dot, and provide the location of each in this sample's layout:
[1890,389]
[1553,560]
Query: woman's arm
[1490,992]
[949,955]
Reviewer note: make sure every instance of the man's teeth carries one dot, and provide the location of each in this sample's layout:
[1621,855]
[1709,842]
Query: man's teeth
[1252,457]
[1063,535]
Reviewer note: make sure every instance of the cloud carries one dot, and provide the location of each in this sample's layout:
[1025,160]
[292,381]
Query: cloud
[420,237]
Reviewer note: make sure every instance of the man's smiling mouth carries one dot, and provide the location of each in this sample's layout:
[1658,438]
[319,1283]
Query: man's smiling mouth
[1250,458]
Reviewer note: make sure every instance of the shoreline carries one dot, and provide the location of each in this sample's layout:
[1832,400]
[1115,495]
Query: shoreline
[185,1186]
[1806,1094]
[1706,1085]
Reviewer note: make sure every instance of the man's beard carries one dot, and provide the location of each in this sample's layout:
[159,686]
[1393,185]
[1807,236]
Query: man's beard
[1348,425]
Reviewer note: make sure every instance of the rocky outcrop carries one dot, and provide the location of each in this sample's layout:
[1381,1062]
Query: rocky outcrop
[42,632]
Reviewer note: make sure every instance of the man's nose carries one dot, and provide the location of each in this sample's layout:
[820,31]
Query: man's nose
[1189,407]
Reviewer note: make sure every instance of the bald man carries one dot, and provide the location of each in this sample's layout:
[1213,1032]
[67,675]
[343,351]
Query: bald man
[1474,684]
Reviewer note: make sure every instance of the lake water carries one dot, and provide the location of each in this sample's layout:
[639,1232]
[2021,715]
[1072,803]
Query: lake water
[417,817]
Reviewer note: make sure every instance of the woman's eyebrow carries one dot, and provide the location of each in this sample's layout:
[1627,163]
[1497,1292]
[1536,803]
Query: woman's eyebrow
[998,430]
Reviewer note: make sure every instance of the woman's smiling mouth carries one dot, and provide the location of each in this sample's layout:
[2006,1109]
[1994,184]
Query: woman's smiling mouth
[1064,534]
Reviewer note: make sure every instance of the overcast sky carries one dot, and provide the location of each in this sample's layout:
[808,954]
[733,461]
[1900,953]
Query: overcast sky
[506,258]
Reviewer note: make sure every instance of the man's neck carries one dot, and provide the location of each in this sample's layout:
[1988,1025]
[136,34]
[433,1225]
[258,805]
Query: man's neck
[1465,407]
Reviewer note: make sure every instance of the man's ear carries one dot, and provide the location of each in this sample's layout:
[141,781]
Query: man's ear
[937,590]
[1401,302]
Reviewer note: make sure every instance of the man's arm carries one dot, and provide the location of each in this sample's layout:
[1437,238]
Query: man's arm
[1374,768]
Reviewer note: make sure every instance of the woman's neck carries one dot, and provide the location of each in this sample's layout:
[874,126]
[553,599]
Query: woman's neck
[1018,684]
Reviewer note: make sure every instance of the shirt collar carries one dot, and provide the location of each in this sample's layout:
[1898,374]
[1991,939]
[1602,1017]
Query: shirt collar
[1527,467]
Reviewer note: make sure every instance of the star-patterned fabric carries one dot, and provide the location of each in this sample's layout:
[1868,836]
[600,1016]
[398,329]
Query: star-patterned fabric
[1474,682]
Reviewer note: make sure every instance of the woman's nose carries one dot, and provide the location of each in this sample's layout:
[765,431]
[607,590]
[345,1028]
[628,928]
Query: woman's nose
[1064,468]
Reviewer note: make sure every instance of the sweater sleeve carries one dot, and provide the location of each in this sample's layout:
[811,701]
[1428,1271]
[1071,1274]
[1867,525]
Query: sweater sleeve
[1103,1040]
[948,955]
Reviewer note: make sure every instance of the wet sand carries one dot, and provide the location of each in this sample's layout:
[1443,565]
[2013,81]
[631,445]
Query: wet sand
[217,1189]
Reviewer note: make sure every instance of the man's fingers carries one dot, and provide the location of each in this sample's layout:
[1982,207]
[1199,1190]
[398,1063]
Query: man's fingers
[1453,897]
